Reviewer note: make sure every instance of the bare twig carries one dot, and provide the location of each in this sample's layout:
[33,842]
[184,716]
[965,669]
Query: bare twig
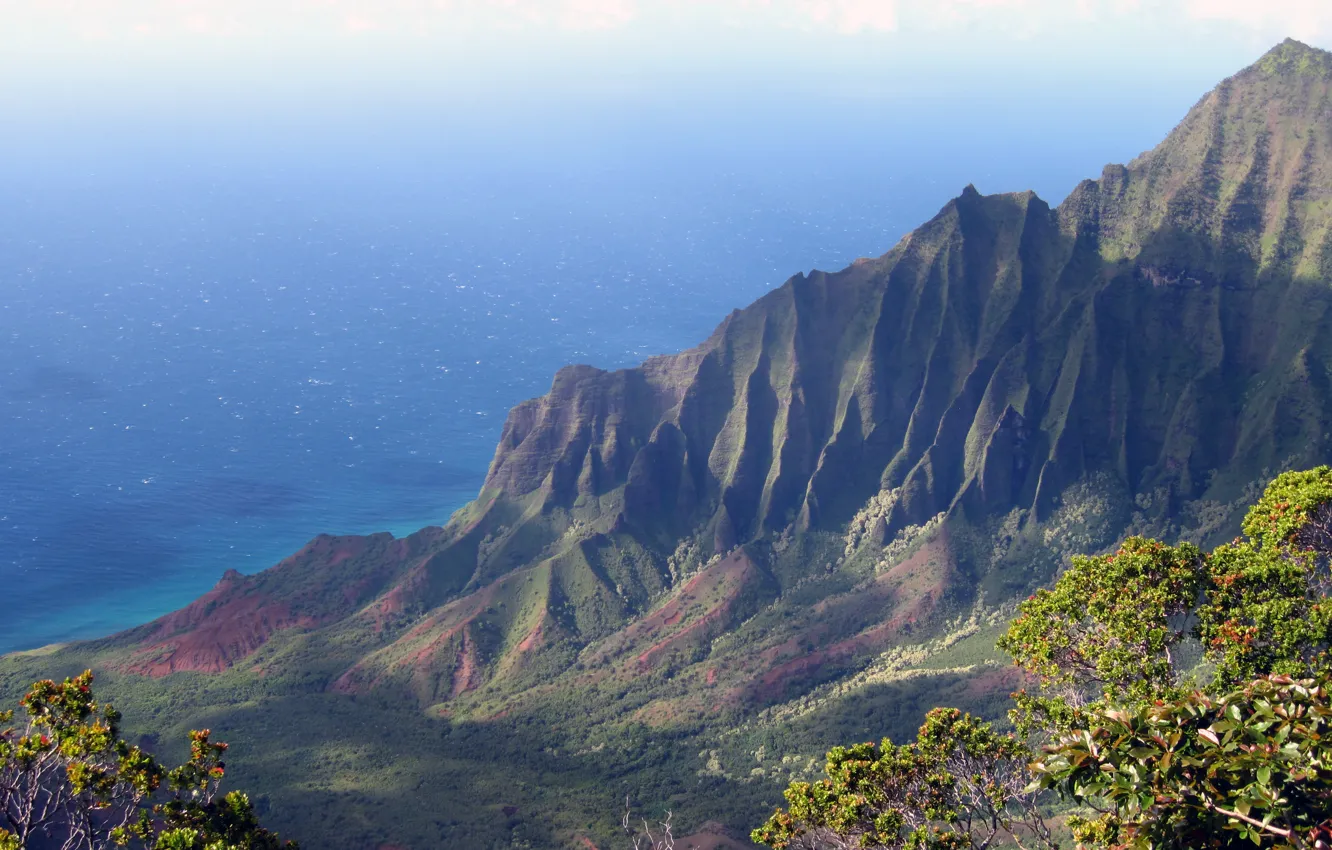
[647,839]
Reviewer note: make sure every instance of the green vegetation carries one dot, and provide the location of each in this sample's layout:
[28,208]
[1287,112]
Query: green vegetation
[68,780]
[1109,630]
[1253,766]
[683,583]
[960,784]
[1226,752]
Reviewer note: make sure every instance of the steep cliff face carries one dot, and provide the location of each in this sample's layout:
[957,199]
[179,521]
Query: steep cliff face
[1150,328]
[857,452]
[1239,190]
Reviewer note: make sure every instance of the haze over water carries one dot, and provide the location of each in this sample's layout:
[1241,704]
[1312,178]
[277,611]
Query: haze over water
[220,338]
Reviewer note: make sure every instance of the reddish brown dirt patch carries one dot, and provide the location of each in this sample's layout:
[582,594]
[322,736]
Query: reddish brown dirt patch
[732,574]
[467,675]
[327,579]
[399,598]
[684,617]
[427,650]
[224,625]
[997,680]
[920,580]
[533,637]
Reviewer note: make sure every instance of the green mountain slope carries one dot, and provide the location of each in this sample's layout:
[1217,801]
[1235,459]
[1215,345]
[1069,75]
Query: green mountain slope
[803,529]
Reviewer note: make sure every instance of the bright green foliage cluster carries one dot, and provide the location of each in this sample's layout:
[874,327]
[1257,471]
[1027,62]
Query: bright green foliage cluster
[67,779]
[1107,628]
[959,785]
[1265,612]
[1294,510]
[1254,765]
[226,824]
[1267,608]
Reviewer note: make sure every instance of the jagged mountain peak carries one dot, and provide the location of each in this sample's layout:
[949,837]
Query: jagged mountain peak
[1292,58]
[1240,190]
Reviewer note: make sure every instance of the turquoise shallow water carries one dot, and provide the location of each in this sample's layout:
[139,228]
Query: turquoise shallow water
[194,381]
[209,358]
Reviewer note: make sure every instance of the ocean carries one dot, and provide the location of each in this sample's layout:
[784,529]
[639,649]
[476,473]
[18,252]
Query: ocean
[208,356]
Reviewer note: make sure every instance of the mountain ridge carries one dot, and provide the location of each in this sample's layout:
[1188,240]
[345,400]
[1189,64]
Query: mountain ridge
[979,366]
[852,465]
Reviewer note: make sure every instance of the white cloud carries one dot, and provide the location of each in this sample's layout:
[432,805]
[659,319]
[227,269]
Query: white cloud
[1269,19]
[1260,19]
[851,16]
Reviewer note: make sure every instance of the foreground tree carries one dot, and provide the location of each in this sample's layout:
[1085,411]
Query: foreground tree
[1180,696]
[1235,752]
[1251,767]
[959,785]
[68,780]
[1108,632]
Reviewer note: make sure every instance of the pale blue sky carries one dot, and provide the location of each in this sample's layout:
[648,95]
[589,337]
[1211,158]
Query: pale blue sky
[82,51]
[1090,80]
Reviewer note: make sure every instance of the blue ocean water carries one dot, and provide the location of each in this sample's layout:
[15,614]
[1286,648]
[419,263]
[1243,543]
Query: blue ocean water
[207,358]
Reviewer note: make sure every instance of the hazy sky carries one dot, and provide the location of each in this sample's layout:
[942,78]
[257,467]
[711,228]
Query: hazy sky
[84,51]
[59,21]
[88,72]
